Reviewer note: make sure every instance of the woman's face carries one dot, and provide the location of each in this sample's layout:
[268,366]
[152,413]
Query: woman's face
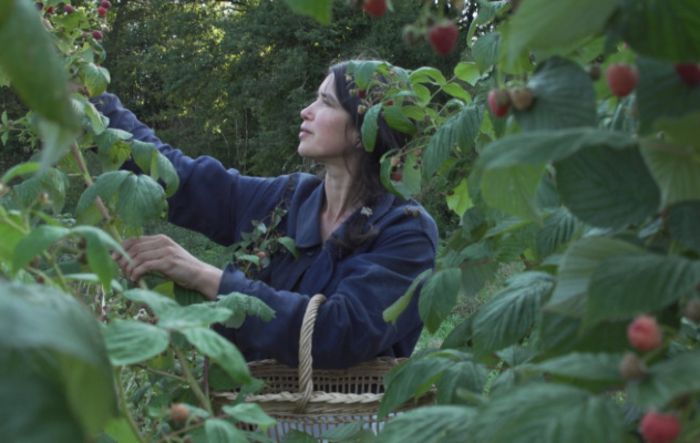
[326,132]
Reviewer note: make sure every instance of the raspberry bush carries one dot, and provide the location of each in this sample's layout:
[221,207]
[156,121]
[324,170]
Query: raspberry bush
[593,186]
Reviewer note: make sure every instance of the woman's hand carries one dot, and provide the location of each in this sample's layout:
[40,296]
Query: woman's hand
[160,253]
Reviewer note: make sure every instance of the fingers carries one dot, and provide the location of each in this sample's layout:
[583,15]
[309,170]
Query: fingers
[145,254]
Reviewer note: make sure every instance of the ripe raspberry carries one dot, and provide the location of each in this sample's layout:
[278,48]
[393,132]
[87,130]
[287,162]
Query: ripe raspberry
[97,35]
[49,10]
[68,9]
[396,176]
[644,333]
[443,37]
[632,367]
[499,102]
[521,98]
[102,11]
[375,8]
[659,428]
[106,4]
[179,412]
[622,79]
[689,73]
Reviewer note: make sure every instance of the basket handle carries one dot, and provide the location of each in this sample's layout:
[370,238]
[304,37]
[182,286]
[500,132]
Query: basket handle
[306,385]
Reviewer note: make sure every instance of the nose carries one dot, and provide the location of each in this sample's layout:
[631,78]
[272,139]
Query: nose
[306,113]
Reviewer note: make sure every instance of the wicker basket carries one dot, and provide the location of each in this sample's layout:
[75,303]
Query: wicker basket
[314,401]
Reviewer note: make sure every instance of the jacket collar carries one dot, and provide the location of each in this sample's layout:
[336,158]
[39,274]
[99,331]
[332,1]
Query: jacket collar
[308,232]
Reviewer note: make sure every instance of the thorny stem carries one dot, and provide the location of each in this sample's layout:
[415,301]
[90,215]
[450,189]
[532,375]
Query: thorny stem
[123,406]
[194,385]
[162,373]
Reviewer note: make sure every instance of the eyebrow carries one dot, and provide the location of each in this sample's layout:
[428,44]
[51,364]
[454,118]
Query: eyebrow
[328,97]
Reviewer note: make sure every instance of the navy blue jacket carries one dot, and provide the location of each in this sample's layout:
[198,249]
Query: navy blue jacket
[221,204]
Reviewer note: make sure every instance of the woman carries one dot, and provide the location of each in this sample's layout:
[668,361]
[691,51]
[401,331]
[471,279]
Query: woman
[359,245]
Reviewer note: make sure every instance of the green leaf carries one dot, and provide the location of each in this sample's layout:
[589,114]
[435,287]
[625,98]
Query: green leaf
[583,366]
[141,200]
[513,190]
[427,74]
[549,413]
[410,183]
[416,376]
[95,78]
[667,380]
[625,286]
[458,131]
[130,341]
[558,229]
[455,90]
[95,122]
[64,340]
[460,336]
[295,436]
[485,51]
[397,120]
[682,223]
[438,297]
[459,200]
[564,97]
[51,181]
[150,160]
[26,45]
[662,93]
[392,313]
[120,430]
[221,351]
[554,27]
[20,170]
[241,306]
[290,245]
[511,314]
[464,375]
[99,244]
[576,269]
[594,187]
[105,186]
[661,29]
[197,315]
[467,72]
[540,147]
[250,413]
[35,243]
[370,126]
[319,10]
[11,232]
[159,304]
[675,168]
[221,431]
[430,424]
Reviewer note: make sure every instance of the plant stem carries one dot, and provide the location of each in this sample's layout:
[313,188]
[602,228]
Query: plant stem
[124,407]
[162,373]
[196,389]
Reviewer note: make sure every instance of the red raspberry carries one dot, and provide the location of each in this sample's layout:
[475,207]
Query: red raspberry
[49,10]
[68,9]
[375,8]
[644,333]
[689,73]
[443,37]
[622,79]
[179,413]
[659,428]
[396,176]
[499,102]
[106,4]
[102,11]
[97,35]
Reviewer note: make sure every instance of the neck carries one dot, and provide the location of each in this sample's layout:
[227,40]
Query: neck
[340,199]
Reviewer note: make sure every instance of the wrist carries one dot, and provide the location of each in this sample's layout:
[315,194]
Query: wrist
[208,280]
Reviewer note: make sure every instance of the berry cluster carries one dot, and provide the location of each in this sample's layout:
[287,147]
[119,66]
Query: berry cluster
[500,100]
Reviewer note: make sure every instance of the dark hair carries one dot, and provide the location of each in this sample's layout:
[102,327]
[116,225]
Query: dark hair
[368,186]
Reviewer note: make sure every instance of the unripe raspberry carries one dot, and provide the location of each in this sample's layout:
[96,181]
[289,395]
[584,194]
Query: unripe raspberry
[644,333]
[632,367]
[659,428]
[179,413]
[691,311]
[261,254]
[102,11]
[521,98]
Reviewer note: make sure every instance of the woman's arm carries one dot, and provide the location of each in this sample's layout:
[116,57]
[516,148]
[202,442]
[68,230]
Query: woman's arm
[349,327]
[217,202]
